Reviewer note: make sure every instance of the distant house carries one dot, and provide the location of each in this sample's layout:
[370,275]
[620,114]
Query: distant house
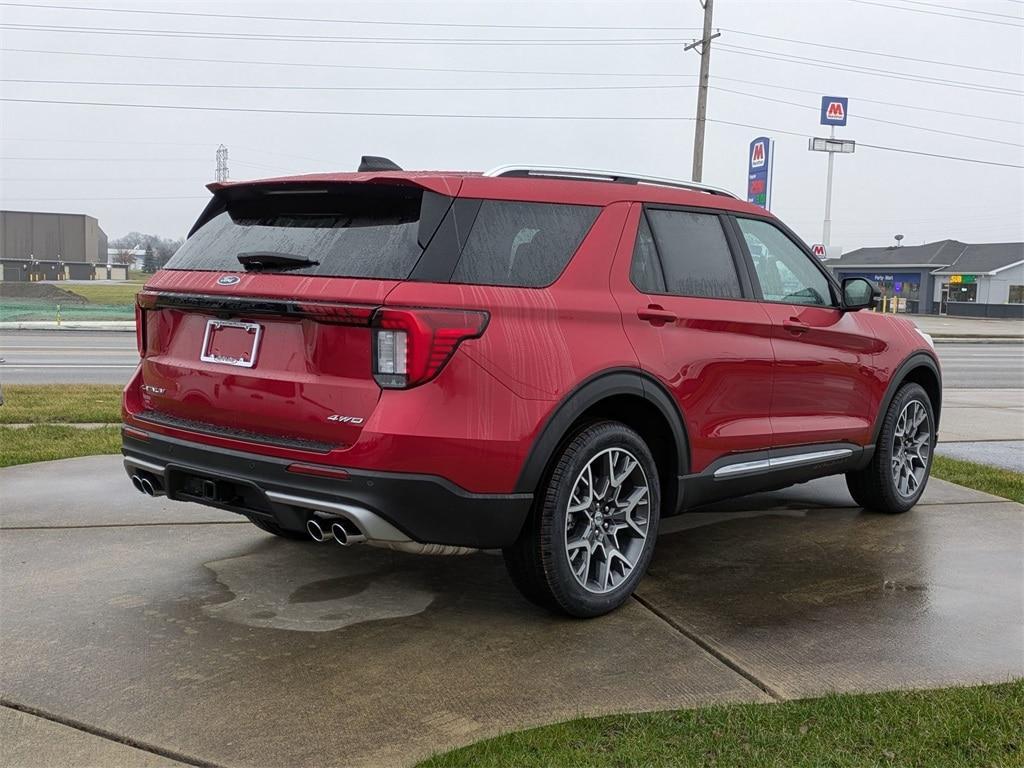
[944,277]
[38,245]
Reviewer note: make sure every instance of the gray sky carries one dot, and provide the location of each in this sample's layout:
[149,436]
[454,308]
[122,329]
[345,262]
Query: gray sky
[110,162]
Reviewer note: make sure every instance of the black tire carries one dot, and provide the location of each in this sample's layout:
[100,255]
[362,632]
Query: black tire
[538,562]
[269,527]
[874,487]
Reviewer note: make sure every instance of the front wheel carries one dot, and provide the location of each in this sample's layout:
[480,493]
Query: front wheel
[591,534]
[896,477]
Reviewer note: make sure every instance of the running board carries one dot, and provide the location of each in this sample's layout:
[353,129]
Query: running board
[780,462]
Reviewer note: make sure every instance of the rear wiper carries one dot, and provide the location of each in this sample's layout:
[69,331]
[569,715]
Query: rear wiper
[257,261]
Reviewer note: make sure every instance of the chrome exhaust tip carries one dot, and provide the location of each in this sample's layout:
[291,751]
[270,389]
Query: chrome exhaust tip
[147,486]
[137,482]
[344,537]
[317,531]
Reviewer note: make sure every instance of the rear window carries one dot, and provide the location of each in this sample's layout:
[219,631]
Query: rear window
[367,231]
[522,244]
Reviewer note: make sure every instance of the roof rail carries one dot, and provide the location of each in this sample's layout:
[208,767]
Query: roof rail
[590,174]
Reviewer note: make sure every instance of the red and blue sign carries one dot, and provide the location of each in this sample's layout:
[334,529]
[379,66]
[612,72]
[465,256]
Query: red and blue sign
[759,172]
[834,110]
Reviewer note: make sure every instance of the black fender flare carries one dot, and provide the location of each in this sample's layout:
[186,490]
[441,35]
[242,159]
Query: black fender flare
[918,359]
[617,381]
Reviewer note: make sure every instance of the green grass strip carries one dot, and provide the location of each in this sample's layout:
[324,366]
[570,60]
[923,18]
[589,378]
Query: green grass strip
[980,477]
[67,403]
[952,727]
[45,442]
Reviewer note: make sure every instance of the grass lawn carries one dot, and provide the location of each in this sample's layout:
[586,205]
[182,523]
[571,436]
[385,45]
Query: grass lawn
[999,482]
[951,728]
[72,404]
[118,294]
[44,442]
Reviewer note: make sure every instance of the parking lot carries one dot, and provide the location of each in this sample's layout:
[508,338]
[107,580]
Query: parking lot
[143,634]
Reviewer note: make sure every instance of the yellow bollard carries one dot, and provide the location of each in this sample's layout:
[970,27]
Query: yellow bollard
[58,315]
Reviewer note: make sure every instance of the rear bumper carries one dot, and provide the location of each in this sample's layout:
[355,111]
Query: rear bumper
[412,507]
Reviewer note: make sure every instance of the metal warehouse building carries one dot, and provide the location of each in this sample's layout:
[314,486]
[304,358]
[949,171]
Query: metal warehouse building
[946,277]
[51,246]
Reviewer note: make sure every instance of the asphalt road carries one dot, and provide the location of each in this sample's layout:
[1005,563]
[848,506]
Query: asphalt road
[43,357]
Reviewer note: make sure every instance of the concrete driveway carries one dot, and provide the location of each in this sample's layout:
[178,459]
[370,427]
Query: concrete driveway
[138,632]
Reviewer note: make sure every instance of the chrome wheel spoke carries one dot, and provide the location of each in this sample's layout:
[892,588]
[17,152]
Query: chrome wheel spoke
[607,520]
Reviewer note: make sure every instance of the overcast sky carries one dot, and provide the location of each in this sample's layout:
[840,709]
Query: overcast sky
[144,169]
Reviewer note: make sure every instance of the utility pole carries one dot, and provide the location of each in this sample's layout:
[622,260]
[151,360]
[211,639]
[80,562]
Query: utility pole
[704,45]
[222,164]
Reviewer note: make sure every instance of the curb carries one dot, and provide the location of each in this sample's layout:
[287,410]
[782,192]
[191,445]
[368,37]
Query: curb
[114,326]
[977,339]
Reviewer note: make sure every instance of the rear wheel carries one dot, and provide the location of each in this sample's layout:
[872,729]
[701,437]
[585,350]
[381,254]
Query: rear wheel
[591,534]
[896,477]
[274,528]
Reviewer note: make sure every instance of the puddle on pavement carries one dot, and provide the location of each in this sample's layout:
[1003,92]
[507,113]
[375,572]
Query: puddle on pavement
[308,589]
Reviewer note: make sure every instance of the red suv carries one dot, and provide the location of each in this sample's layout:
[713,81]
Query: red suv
[542,360]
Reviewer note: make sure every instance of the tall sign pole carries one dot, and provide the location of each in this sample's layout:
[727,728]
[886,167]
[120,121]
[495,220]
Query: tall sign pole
[704,45]
[833,112]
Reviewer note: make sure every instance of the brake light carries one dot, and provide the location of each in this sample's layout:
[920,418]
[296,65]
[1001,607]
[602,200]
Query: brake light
[143,302]
[411,346]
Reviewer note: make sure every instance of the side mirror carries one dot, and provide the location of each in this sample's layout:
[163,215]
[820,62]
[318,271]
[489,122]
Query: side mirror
[859,293]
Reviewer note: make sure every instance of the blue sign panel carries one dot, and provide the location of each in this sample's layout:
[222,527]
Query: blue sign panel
[761,158]
[833,110]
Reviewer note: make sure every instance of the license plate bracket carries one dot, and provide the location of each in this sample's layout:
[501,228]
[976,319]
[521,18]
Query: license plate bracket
[231,342]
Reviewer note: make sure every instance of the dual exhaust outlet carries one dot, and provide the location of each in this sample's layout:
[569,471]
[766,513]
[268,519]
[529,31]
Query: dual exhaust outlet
[146,485]
[325,530]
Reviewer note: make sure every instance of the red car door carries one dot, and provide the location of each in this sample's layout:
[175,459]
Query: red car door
[686,309]
[824,373]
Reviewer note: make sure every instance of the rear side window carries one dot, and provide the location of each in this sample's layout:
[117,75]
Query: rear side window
[369,231]
[695,255]
[522,244]
[645,272]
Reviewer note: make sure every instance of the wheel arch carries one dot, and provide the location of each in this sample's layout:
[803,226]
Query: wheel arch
[919,368]
[627,395]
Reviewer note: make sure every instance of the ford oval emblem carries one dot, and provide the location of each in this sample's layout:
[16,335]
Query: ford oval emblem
[229,280]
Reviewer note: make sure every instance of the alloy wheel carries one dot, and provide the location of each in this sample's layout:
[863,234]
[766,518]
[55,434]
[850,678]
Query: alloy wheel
[911,449]
[607,520]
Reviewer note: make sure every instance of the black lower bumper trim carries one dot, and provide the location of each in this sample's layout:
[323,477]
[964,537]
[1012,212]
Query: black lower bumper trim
[426,508]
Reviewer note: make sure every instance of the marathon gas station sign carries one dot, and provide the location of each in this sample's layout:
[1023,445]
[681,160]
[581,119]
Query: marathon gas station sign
[761,158]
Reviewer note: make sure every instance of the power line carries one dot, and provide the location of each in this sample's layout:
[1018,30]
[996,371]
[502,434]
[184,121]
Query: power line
[937,13]
[861,69]
[261,86]
[195,107]
[975,116]
[377,22]
[327,65]
[834,47]
[876,119]
[964,10]
[289,38]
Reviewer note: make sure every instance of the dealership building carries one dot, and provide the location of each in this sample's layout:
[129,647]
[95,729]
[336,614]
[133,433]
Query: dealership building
[943,278]
[52,246]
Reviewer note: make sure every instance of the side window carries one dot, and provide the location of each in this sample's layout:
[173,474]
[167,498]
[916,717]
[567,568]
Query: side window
[695,255]
[645,272]
[785,272]
[522,244]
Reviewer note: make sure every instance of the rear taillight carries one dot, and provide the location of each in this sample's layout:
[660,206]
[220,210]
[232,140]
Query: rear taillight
[411,346]
[143,301]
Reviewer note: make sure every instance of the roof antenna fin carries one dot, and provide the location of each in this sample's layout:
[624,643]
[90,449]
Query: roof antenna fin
[372,163]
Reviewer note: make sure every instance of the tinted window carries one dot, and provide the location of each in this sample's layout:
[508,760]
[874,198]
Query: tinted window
[645,271]
[694,254]
[784,271]
[360,232]
[522,244]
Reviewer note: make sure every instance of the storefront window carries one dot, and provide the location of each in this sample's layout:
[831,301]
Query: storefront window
[963,292]
[1016,294]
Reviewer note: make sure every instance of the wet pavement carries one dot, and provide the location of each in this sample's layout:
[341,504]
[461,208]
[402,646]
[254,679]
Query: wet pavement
[1006,454]
[140,632]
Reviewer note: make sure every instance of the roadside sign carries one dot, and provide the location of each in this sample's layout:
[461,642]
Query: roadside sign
[834,110]
[761,159]
[818,249]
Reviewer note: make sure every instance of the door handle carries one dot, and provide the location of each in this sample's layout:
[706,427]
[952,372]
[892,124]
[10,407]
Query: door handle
[795,326]
[656,315]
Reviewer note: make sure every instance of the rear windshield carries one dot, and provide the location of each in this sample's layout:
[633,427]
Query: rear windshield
[369,232]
